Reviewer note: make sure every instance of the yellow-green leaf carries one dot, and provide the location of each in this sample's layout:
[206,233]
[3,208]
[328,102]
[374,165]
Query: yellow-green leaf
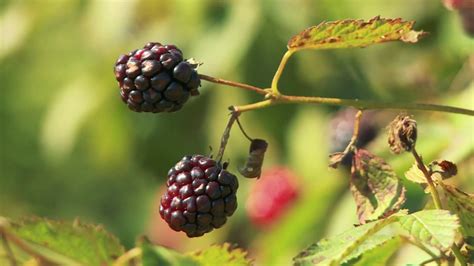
[415,175]
[157,255]
[348,245]
[83,243]
[221,255]
[355,33]
[433,227]
[379,255]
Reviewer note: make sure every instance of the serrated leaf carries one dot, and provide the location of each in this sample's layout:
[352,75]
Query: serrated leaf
[462,204]
[379,255]
[375,187]
[84,243]
[157,255]
[415,175]
[221,255]
[348,245]
[355,33]
[434,227]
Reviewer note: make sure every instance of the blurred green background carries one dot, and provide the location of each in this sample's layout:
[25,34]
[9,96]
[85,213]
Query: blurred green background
[70,148]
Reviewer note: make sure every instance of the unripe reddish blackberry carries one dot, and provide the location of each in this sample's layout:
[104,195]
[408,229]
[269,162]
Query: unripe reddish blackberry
[271,196]
[156,78]
[200,196]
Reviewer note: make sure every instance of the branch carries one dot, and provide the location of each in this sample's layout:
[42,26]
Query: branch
[233,84]
[277,98]
[422,167]
[356,103]
[226,135]
[437,202]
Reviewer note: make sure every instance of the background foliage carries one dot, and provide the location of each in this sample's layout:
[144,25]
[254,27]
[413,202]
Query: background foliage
[69,147]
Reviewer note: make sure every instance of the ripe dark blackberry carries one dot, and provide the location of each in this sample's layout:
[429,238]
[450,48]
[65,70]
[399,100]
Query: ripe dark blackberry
[156,78]
[200,196]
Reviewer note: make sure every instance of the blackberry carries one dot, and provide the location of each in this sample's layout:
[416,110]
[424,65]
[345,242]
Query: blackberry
[201,195]
[156,78]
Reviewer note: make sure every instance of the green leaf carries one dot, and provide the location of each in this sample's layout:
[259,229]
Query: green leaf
[84,243]
[379,255]
[221,255]
[157,255]
[415,175]
[434,227]
[354,33]
[375,187]
[462,204]
[215,255]
[348,245]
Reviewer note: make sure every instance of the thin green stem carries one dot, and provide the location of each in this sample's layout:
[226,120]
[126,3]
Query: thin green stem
[436,200]
[278,98]
[233,84]
[128,256]
[254,106]
[356,103]
[457,253]
[426,173]
[279,71]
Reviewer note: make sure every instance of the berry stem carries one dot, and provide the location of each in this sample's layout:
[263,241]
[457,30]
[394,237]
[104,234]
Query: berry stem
[436,199]
[279,71]
[426,173]
[226,134]
[278,98]
[233,84]
[356,103]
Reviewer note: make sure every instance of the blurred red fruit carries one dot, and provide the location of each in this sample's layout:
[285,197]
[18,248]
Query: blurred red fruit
[465,10]
[452,4]
[271,196]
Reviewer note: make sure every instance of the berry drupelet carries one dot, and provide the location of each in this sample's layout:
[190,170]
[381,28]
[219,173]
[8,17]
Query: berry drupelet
[200,196]
[156,78]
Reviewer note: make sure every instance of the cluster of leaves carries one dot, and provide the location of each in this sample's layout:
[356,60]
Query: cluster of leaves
[377,191]
[39,241]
